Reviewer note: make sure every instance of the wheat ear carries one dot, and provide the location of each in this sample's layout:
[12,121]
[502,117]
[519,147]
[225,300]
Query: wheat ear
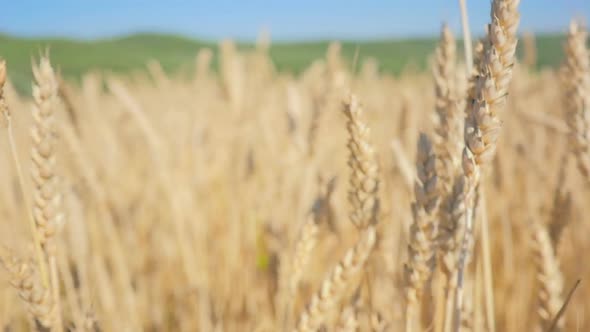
[482,125]
[36,297]
[549,278]
[47,210]
[449,126]
[42,265]
[423,230]
[364,181]
[303,249]
[297,265]
[576,82]
[335,284]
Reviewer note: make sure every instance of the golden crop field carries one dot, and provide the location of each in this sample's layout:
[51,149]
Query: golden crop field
[340,199]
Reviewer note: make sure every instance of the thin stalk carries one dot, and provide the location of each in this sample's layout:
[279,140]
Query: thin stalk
[467,44]
[487,264]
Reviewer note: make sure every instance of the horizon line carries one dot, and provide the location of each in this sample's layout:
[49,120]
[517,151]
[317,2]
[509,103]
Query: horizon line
[288,40]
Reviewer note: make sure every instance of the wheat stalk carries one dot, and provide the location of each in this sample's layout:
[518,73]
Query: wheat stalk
[449,127]
[482,125]
[47,210]
[297,265]
[423,230]
[549,278]
[336,283]
[362,162]
[576,82]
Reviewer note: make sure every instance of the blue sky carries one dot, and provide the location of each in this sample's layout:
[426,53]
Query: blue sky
[286,20]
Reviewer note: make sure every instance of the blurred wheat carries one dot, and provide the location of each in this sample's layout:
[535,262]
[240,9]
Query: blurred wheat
[245,201]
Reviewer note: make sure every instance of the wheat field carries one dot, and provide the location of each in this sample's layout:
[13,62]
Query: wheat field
[340,199]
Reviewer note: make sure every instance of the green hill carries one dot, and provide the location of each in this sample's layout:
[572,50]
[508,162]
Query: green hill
[74,57]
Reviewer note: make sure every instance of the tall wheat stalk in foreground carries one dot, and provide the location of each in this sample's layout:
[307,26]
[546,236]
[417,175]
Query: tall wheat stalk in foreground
[482,125]
[576,83]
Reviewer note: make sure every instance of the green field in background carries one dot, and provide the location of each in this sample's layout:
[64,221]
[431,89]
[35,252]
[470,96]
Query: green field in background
[74,57]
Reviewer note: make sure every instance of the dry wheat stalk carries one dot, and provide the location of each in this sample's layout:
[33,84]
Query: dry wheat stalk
[423,230]
[482,125]
[576,82]
[549,278]
[23,278]
[47,199]
[297,265]
[449,127]
[362,162]
[336,283]
[7,120]
[364,181]
[47,210]
[303,249]
[451,232]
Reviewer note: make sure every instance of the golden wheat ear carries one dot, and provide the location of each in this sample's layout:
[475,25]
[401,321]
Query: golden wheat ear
[449,114]
[423,231]
[576,95]
[487,100]
[362,162]
[292,270]
[47,199]
[549,278]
